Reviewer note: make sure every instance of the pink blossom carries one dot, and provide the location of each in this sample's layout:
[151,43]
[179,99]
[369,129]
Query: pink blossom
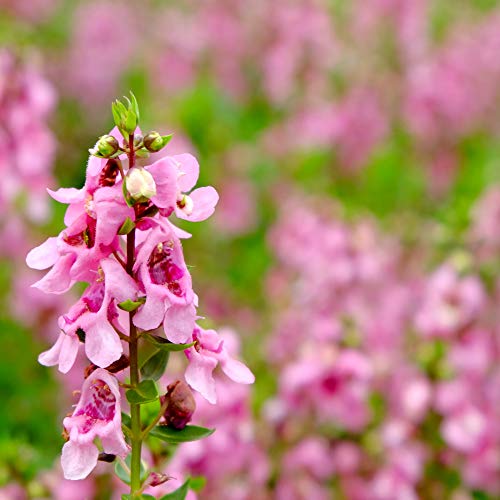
[92,318]
[209,351]
[450,303]
[167,285]
[97,415]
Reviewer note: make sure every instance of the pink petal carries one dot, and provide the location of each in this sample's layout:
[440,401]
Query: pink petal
[102,344]
[58,280]
[62,353]
[111,211]
[115,444]
[204,201]
[119,284]
[67,195]
[151,314]
[164,174]
[199,375]
[237,371]
[44,255]
[179,323]
[78,460]
[189,171]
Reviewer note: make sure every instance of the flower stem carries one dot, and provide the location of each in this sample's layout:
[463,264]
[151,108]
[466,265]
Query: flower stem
[135,409]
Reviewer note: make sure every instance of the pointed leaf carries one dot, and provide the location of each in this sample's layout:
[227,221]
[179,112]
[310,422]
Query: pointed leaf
[155,366]
[126,227]
[131,305]
[173,436]
[146,391]
[179,494]
[166,345]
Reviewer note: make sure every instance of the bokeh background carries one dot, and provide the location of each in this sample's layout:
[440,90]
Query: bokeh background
[355,249]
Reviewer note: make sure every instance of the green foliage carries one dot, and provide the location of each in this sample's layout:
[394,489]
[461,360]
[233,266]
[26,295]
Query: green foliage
[179,494]
[145,392]
[174,436]
[155,366]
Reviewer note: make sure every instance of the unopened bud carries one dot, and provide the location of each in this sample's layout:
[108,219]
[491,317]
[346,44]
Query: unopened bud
[140,184]
[153,142]
[119,365]
[106,457]
[105,147]
[181,405]
[157,478]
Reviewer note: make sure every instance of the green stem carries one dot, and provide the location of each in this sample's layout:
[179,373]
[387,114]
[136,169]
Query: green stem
[135,409]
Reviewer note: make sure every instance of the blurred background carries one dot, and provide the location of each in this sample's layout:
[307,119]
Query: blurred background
[355,249]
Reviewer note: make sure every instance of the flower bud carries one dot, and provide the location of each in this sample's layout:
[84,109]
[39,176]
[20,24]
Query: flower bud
[105,147]
[157,478]
[106,457]
[153,142]
[181,405]
[140,184]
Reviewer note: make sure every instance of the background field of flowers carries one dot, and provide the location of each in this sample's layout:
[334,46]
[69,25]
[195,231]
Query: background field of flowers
[355,249]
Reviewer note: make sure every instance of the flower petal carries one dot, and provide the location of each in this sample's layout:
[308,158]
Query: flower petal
[189,171]
[43,256]
[179,323]
[102,344]
[78,460]
[199,374]
[204,201]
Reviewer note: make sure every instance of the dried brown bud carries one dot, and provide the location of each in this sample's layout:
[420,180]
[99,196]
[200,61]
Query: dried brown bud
[117,366]
[106,457]
[181,405]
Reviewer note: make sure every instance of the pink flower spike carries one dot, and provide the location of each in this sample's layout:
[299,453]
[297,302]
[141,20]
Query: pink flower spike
[97,415]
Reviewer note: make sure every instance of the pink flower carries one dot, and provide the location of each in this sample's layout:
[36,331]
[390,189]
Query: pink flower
[91,236]
[174,177]
[450,303]
[167,285]
[97,415]
[204,356]
[90,320]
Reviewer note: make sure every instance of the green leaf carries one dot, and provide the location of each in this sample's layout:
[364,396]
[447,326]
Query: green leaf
[131,305]
[142,153]
[123,474]
[140,497]
[166,345]
[126,420]
[155,366]
[126,227]
[130,121]
[174,436]
[146,391]
[178,494]
[166,139]
[135,105]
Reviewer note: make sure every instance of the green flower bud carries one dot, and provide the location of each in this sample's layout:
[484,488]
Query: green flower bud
[105,147]
[154,142]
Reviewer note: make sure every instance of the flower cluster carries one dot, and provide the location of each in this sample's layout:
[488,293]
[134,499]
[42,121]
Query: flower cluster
[119,239]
